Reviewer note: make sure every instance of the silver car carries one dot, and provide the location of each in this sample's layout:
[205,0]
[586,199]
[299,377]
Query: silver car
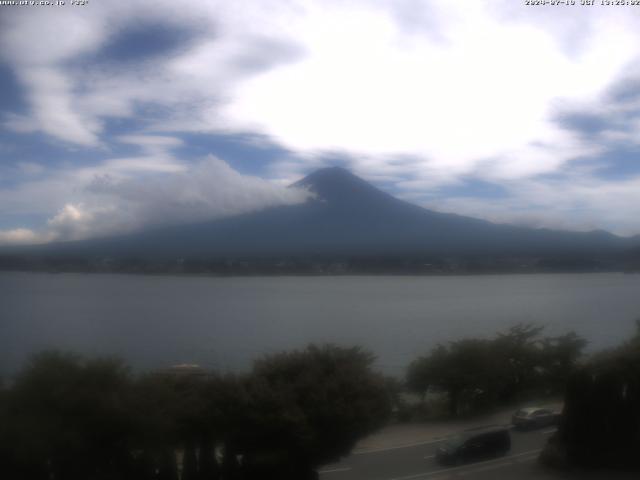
[534,417]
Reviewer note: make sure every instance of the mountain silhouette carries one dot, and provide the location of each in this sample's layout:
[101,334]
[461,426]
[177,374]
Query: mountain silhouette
[345,216]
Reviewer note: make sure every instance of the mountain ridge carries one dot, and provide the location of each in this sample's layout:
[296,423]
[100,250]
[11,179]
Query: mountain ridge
[346,216]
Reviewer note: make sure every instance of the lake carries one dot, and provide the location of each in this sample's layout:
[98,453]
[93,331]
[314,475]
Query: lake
[224,323]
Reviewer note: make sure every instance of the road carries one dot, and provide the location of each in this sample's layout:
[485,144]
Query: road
[417,462]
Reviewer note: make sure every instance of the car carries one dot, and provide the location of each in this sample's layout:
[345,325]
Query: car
[534,417]
[474,445]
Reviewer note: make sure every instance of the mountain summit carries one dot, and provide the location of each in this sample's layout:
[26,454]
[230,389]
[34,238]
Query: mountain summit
[338,185]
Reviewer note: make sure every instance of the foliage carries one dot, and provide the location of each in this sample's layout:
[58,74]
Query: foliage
[315,404]
[67,418]
[478,373]
[601,418]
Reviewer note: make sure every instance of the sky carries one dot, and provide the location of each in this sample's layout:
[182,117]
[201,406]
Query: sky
[119,116]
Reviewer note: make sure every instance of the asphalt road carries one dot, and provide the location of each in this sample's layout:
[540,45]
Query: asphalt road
[417,462]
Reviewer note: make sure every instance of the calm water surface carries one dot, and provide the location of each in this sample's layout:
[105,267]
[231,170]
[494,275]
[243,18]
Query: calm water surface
[223,323]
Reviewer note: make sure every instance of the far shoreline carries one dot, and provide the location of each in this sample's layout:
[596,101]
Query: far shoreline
[320,275]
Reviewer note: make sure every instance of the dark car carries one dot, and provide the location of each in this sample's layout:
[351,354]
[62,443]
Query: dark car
[474,445]
[534,417]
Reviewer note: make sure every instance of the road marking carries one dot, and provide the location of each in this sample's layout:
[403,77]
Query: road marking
[499,465]
[429,456]
[485,469]
[547,432]
[407,445]
[455,469]
[334,470]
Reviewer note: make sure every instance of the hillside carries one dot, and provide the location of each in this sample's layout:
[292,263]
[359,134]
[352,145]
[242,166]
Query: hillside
[347,217]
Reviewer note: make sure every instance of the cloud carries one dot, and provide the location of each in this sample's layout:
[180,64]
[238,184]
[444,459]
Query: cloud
[111,202]
[209,189]
[31,168]
[357,77]
[368,88]
[418,95]
[20,236]
[575,200]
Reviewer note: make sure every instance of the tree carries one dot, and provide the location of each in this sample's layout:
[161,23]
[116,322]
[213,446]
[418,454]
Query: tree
[69,418]
[601,417]
[464,369]
[559,356]
[155,408]
[519,349]
[478,373]
[307,408]
[192,414]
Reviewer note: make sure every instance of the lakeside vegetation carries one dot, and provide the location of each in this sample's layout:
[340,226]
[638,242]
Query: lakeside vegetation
[65,417]
[69,418]
[600,427]
[478,374]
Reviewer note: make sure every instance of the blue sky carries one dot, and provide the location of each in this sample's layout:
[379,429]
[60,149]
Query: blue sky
[125,115]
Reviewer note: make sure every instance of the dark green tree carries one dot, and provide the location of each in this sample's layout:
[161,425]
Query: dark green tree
[70,418]
[601,418]
[465,369]
[155,409]
[310,407]
[479,373]
[519,352]
[558,359]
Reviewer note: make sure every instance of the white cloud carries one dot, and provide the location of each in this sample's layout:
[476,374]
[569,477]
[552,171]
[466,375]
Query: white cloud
[575,202]
[151,142]
[416,93]
[113,199]
[356,77]
[209,189]
[487,92]
[37,43]
[19,236]
[54,112]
